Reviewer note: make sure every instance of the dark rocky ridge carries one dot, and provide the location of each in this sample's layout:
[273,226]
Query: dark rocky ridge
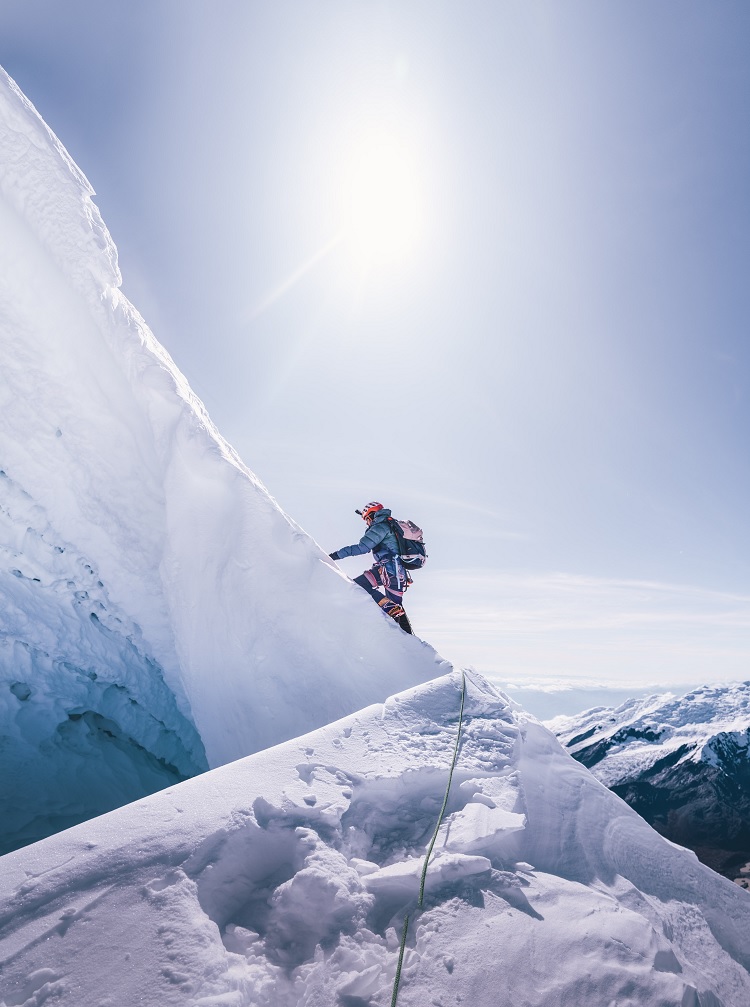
[688,777]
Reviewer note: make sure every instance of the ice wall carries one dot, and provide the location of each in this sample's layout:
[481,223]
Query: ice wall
[88,722]
[150,585]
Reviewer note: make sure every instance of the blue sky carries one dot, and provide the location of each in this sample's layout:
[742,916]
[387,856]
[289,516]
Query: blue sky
[552,379]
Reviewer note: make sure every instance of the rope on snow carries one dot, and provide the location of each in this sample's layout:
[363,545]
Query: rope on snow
[430,848]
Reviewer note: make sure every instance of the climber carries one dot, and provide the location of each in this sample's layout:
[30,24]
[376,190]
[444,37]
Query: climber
[388,571]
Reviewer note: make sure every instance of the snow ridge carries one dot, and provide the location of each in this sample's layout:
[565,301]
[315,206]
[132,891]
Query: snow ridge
[283,879]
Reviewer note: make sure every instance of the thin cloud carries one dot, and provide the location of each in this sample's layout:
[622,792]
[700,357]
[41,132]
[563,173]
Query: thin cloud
[568,626]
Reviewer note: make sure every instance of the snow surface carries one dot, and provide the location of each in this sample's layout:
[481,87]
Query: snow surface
[623,743]
[283,880]
[159,613]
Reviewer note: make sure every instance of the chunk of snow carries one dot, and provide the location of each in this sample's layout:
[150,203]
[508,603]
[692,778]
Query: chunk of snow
[402,878]
[474,825]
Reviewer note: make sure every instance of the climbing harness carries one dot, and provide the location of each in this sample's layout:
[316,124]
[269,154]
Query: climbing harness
[430,848]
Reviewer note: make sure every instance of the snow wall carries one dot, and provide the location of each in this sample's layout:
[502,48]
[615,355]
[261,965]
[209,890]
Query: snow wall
[159,613]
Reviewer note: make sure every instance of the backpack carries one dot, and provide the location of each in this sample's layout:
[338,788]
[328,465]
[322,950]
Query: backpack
[410,545]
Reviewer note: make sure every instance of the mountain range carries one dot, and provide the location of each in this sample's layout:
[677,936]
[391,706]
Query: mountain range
[682,763]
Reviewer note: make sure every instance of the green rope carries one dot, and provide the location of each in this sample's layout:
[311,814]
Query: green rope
[447,793]
[397,980]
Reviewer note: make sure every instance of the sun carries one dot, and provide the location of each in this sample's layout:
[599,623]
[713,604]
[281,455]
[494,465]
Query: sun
[382,204]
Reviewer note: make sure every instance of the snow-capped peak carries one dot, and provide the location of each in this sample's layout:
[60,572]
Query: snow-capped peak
[639,732]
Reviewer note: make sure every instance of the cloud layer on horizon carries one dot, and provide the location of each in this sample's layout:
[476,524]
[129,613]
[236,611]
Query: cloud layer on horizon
[560,627]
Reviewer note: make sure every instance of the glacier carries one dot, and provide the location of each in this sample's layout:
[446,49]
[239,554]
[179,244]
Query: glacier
[159,613]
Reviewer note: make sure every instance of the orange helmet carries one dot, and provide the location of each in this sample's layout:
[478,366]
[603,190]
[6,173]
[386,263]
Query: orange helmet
[370,510]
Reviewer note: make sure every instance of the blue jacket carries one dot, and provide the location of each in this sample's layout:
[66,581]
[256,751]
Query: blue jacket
[378,539]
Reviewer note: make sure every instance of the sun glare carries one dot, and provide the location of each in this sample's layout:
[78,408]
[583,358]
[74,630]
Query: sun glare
[382,206]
